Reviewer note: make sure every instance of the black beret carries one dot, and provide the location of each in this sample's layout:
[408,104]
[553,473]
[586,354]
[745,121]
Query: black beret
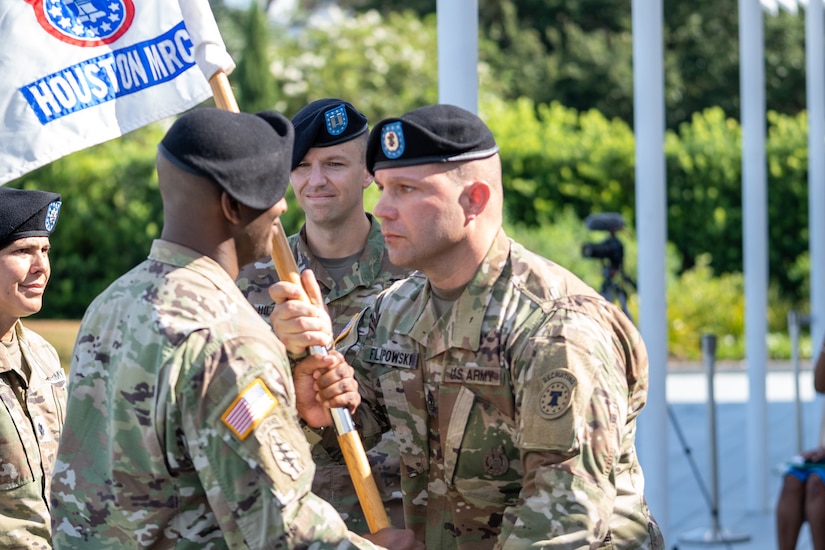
[435,133]
[27,213]
[246,155]
[323,123]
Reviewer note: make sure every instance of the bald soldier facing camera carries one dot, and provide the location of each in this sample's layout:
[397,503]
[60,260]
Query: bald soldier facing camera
[512,387]
[182,422]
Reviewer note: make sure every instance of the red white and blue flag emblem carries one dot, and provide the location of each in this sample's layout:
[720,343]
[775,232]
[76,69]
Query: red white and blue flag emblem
[249,409]
[80,72]
[84,22]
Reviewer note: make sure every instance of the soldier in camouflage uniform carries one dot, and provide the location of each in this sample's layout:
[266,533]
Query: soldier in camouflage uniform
[342,245]
[181,427]
[32,382]
[513,388]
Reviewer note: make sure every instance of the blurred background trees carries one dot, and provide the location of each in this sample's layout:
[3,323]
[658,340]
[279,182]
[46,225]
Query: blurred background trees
[556,88]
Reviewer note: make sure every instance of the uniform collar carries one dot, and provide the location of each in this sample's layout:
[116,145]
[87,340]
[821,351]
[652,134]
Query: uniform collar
[368,267]
[181,256]
[461,326]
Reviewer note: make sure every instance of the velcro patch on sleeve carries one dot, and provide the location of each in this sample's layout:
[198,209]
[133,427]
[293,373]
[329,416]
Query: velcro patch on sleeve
[557,393]
[249,409]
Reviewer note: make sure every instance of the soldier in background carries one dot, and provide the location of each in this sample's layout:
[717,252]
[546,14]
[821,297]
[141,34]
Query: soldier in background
[32,382]
[182,422]
[512,387]
[342,246]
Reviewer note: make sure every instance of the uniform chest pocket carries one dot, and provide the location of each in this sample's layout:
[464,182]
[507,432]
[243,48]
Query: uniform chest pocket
[406,409]
[18,443]
[480,457]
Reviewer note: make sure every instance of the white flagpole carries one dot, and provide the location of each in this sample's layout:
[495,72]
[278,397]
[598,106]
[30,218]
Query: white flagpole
[755,237]
[458,53]
[651,231]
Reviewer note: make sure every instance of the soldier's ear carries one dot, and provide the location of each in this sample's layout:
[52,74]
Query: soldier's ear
[368,179]
[231,208]
[475,197]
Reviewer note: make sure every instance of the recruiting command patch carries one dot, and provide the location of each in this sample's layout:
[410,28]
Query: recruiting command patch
[557,393]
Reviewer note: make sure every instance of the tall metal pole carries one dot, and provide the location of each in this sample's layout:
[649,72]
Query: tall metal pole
[815,91]
[715,534]
[755,216]
[709,355]
[794,322]
[651,232]
[458,53]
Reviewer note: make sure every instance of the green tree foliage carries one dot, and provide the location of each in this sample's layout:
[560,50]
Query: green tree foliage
[554,156]
[382,65]
[690,299]
[787,153]
[579,53]
[111,213]
[702,59]
[701,72]
[254,87]
[704,190]
[705,195]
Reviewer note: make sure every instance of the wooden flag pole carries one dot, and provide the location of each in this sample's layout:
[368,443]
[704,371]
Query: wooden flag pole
[353,450]
[222,92]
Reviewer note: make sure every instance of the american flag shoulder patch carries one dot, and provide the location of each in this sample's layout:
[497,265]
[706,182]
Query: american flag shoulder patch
[249,409]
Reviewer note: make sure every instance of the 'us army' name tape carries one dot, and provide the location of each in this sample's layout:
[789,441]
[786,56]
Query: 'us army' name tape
[474,375]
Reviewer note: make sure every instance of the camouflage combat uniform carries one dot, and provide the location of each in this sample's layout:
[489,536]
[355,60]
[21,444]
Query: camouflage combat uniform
[181,429]
[515,413]
[369,276]
[29,435]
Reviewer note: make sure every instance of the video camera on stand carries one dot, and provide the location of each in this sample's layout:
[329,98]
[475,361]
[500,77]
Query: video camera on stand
[611,249]
[611,252]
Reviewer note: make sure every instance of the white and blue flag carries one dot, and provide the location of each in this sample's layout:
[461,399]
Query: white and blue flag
[80,72]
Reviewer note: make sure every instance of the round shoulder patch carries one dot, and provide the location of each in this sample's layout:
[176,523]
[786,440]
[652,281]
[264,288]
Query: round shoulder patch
[557,394]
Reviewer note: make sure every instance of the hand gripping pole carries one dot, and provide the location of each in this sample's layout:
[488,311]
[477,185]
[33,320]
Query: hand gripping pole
[351,446]
[215,62]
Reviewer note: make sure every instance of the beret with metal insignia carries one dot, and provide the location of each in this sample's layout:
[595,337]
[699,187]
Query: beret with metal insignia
[431,134]
[323,123]
[27,213]
[246,154]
